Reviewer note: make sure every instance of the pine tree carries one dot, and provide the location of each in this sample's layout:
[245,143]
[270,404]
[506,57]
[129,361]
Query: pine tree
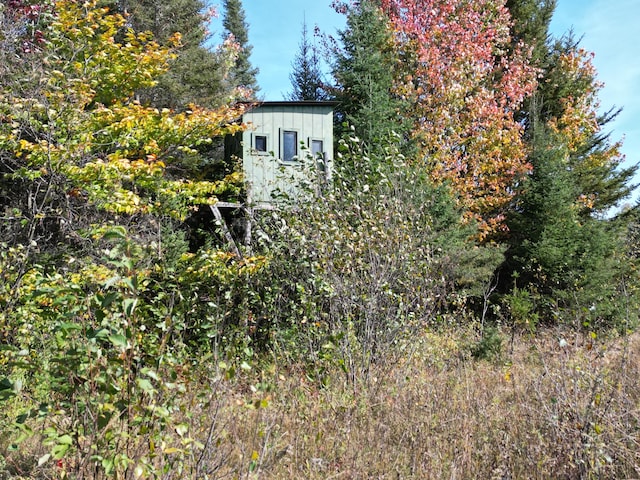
[530,25]
[364,73]
[306,77]
[197,74]
[561,246]
[530,29]
[566,100]
[567,261]
[243,74]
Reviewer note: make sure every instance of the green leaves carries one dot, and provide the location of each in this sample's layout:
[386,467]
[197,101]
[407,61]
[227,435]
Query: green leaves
[359,270]
[562,249]
[87,131]
[364,70]
[101,305]
[7,389]
[119,341]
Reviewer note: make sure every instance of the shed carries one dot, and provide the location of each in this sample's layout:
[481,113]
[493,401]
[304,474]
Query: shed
[287,142]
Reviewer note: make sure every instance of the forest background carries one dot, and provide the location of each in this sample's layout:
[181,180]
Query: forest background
[457,301]
[603,27]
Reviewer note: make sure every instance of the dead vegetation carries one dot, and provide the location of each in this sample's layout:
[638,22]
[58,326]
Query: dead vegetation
[550,407]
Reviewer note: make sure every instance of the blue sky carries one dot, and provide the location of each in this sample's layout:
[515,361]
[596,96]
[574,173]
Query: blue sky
[275,28]
[607,27]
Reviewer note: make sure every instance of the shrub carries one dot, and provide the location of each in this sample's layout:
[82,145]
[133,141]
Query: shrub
[366,264]
[102,354]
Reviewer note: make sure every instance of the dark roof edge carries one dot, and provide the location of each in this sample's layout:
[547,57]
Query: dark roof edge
[300,103]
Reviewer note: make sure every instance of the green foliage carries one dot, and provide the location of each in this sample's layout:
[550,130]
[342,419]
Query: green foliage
[489,347]
[103,310]
[521,306]
[76,146]
[561,246]
[574,262]
[100,354]
[198,72]
[116,339]
[359,269]
[531,19]
[306,77]
[242,74]
[364,73]
[567,101]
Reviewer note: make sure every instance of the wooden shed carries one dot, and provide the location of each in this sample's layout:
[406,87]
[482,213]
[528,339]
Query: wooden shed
[287,142]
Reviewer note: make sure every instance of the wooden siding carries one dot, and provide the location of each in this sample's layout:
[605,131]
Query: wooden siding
[265,171]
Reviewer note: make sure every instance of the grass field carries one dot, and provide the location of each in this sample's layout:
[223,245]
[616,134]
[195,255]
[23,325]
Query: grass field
[550,406]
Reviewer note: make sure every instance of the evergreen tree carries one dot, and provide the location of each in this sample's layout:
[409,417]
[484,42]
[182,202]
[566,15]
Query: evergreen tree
[197,74]
[243,74]
[561,248]
[306,77]
[364,73]
[566,259]
[531,19]
[566,100]
[530,28]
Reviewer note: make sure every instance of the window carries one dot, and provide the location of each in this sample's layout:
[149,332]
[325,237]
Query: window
[317,148]
[260,143]
[290,145]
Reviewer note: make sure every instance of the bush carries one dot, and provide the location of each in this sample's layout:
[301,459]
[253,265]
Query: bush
[366,264]
[102,354]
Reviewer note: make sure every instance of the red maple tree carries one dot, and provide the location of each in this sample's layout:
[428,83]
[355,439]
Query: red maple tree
[465,80]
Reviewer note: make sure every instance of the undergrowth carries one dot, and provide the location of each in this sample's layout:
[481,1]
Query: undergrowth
[552,406]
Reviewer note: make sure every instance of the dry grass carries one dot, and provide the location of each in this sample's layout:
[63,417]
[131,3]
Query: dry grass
[550,411]
[545,410]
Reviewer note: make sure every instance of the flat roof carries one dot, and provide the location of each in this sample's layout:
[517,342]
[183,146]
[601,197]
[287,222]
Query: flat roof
[301,103]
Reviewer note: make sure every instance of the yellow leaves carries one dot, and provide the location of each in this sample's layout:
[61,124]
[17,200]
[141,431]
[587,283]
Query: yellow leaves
[587,201]
[176,39]
[91,274]
[123,202]
[24,146]
[83,45]
[252,265]
[107,184]
[140,131]
[208,264]
[463,91]
[147,138]
[113,151]
[577,123]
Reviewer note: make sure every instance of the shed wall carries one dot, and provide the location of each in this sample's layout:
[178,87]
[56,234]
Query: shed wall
[266,172]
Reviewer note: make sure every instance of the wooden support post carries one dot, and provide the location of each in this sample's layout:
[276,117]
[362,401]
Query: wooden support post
[225,230]
[248,224]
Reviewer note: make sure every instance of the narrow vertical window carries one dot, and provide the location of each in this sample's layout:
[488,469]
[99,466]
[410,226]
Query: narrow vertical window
[317,148]
[290,145]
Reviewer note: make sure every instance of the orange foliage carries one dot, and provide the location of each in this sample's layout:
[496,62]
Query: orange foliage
[464,88]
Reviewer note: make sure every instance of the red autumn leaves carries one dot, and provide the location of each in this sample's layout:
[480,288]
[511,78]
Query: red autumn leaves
[463,80]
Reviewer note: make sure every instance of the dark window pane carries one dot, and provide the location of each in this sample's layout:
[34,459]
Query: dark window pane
[261,143]
[290,147]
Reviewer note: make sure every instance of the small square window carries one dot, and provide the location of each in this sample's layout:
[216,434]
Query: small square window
[260,143]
